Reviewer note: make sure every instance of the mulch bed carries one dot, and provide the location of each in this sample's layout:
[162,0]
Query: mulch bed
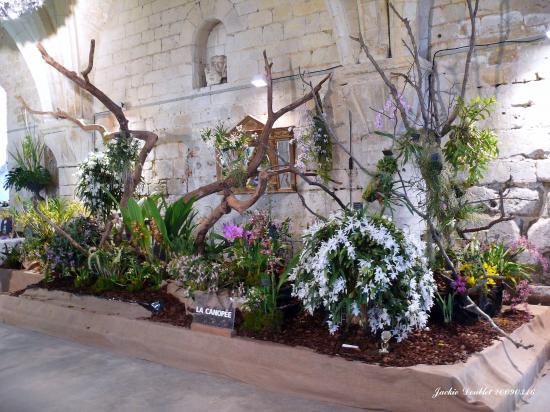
[438,345]
[173,311]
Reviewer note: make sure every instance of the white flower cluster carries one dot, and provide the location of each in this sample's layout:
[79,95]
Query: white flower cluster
[195,273]
[353,261]
[86,174]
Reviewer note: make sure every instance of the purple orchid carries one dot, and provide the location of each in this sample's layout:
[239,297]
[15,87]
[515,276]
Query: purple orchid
[232,232]
[459,284]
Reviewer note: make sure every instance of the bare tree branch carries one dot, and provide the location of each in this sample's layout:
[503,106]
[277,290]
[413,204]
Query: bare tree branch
[393,89]
[500,219]
[59,114]
[309,209]
[229,201]
[472,10]
[203,228]
[420,80]
[89,87]
[88,69]
[471,305]
[83,82]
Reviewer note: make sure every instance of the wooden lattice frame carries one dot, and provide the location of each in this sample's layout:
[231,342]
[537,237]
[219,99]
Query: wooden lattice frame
[251,126]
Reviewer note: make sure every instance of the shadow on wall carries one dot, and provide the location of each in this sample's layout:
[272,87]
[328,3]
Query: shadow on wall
[42,23]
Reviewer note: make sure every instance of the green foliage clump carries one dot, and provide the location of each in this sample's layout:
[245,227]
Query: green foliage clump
[382,185]
[232,151]
[119,268]
[29,173]
[260,310]
[170,229]
[471,148]
[60,257]
[38,232]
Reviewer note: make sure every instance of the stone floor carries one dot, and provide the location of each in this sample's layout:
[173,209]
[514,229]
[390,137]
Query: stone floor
[46,374]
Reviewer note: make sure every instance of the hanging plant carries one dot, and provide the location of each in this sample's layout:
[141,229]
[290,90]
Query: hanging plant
[471,148]
[315,145]
[381,186]
[102,175]
[233,151]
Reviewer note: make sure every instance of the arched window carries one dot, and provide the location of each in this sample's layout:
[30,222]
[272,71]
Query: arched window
[210,55]
[4,194]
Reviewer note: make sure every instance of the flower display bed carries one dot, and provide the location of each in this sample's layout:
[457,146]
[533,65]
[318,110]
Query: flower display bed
[297,369]
[438,345]
[173,311]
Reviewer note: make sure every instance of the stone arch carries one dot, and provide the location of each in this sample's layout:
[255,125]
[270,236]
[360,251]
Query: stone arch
[201,19]
[206,46]
[65,28]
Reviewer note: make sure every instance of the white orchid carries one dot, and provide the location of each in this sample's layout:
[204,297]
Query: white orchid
[386,271]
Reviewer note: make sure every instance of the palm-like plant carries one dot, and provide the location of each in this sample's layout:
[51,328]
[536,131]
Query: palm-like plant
[57,210]
[29,173]
[157,235]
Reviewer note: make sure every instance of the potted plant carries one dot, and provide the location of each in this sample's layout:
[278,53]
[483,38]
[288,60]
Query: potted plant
[29,172]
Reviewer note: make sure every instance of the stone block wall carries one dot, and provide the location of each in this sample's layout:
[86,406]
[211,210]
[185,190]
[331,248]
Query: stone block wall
[518,76]
[148,57]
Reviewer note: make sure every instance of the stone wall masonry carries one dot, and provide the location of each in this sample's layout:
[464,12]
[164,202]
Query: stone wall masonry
[153,57]
[147,57]
[518,76]
[301,34]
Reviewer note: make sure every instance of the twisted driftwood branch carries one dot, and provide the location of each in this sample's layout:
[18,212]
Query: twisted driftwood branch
[229,202]
[84,83]
[60,114]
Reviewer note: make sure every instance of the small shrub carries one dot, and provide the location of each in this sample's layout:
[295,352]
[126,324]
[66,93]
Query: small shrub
[61,257]
[357,265]
[198,273]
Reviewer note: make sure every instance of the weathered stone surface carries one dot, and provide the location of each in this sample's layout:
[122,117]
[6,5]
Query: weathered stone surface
[484,197]
[522,202]
[539,234]
[150,58]
[543,170]
[522,171]
[505,232]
